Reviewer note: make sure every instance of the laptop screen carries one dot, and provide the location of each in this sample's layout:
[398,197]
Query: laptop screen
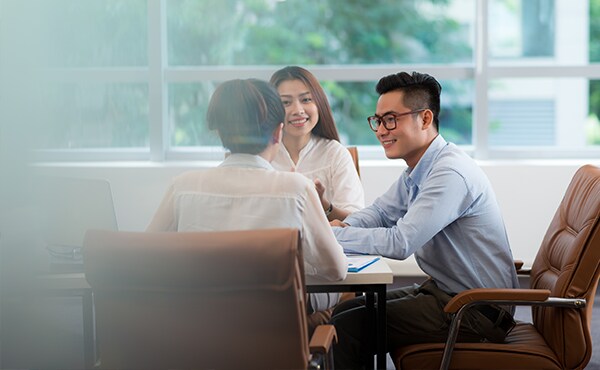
[70,207]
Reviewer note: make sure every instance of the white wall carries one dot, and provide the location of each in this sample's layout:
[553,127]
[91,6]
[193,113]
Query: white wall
[528,192]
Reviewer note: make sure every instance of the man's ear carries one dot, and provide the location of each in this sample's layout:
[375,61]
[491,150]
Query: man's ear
[427,119]
[277,134]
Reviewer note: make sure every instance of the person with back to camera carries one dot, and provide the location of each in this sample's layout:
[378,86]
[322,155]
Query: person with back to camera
[245,192]
[311,143]
[443,210]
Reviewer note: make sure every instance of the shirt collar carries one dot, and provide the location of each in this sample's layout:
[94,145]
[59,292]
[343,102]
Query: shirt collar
[423,167]
[246,160]
[303,152]
[309,145]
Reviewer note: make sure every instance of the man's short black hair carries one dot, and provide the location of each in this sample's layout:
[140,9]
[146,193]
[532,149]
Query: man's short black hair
[420,91]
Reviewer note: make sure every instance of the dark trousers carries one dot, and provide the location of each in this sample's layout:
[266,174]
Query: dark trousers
[415,314]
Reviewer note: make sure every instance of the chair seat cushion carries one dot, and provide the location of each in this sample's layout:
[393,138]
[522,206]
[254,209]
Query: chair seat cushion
[524,348]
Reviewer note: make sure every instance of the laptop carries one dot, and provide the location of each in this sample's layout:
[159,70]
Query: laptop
[70,207]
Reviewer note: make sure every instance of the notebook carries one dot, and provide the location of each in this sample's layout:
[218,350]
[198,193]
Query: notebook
[70,207]
[359,262]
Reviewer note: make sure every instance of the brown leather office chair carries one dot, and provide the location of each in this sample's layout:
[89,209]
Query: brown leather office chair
[354,153]
[564,278]
[220,300]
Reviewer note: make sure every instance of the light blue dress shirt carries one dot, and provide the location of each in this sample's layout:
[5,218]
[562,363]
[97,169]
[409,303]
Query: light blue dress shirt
[445,212]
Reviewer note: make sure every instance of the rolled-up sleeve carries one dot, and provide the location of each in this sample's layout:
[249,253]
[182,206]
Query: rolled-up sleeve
[441,202]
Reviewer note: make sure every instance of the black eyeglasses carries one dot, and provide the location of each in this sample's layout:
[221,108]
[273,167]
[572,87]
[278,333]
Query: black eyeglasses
[389,119]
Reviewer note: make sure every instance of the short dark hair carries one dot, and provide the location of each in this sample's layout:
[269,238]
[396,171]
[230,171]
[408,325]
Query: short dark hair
[420,91]
[325,126]
[245,113]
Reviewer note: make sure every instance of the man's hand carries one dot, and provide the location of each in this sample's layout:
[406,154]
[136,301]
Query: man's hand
[337,223]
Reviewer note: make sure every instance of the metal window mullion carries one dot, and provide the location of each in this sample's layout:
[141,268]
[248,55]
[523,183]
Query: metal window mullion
[353,73]
[481,98]
[590,71]
[157,94]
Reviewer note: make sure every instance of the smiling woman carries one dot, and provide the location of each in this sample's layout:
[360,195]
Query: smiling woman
[311,143]
[302,115]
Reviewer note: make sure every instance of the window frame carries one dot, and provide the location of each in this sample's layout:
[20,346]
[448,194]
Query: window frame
[158,75]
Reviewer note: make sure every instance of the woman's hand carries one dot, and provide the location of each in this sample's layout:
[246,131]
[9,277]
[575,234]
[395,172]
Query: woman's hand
[321,190]
[337,223]
[332,212]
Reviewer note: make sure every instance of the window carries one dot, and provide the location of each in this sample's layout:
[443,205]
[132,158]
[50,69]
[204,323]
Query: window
[131,79]
[241,35]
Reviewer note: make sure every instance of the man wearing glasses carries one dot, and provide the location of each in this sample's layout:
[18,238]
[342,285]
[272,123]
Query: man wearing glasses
[443,210]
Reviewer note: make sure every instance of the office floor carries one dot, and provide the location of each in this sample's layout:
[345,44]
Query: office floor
[46,333]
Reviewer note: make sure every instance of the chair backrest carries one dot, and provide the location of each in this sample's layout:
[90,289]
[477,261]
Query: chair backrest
[354,153]
[568,265]
[225,300]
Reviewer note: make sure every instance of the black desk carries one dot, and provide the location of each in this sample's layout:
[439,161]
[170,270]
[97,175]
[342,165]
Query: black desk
[74,284]
[372,281]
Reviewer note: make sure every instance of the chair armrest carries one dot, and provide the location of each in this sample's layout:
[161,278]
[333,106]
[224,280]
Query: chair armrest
[322,339]
[320,347]
[518,264]
[461,302]
[519,267]
[491,294]
[524,271]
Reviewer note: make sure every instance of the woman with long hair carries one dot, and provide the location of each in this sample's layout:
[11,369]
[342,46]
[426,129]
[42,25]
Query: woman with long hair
[311,144]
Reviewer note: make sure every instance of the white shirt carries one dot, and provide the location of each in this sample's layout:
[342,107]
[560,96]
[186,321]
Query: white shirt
[331,163]
[244,193]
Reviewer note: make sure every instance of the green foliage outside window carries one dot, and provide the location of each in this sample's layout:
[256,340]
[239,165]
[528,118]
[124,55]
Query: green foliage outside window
[314,32]
[594,124]
[76,35]
[104,35]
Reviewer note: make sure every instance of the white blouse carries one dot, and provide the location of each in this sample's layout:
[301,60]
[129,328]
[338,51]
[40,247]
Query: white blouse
[245,193]
[331,163]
